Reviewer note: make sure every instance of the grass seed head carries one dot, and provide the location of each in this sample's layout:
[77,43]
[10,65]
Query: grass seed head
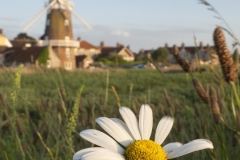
[228,67]
[182,62]
[200,91]
[214,106]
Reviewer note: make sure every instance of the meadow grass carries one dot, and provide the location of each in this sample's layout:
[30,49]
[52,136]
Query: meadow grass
[46,123]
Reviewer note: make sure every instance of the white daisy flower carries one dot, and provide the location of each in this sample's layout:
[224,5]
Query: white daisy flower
[130,140]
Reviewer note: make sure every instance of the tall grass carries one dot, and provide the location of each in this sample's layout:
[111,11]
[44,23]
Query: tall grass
[45,124]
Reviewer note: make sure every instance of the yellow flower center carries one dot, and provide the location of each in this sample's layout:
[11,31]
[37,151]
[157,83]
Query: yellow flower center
[145,150]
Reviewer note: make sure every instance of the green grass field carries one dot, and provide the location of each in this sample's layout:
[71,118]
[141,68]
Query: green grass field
[43,107]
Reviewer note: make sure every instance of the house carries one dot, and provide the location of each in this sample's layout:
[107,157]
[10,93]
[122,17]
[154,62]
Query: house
[88,49]
[83,61]
[23,43]
[4,43]
[205,55]
[32,56]
[119,49]
[142,54]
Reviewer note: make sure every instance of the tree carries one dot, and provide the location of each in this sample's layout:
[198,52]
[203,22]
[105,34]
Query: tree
[24,36]
[43,57]
[160,55]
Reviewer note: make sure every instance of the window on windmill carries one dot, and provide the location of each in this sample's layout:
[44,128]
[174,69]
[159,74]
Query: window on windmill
[75,50]
[67,38]
[48,63]
[67,52]
[68,65]
[66,22]
[48,22]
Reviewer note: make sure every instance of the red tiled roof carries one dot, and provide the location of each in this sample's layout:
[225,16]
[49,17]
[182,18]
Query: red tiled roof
[87,45]
[20,54]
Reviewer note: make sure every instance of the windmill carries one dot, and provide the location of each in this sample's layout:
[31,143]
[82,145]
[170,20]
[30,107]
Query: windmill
[59,32]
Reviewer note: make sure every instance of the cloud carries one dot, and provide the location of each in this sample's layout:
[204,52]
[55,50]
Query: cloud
[121,33]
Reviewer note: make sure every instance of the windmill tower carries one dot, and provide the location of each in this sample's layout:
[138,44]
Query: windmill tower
[59,32]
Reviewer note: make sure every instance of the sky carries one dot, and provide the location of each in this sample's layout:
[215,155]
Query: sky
[141,24]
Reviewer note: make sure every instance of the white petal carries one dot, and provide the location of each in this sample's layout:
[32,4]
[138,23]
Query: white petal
[78,155]
[123,125]
[163,129]
[131,121]
[103,155]
[145,121]
[115,131]
[192,146]
[171,146]
[101,139]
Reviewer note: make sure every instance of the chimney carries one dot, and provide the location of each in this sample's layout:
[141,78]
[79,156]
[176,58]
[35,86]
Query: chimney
[166,45]
[201,45]
[79,39]
[1,31]
[118,45]
[128,47]
[101,44]
[183,45]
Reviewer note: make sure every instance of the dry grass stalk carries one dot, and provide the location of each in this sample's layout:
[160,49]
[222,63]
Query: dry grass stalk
[182,62]
[216,80]
[197,136]
[179,126]
[161,109]
[177,106]
[100,100]
[43,129]
[6,119]
[214,106]
[203,125]
[168,100]
[228,68]
[4,106]
[63,95]
[220,101]
[207,89]
[234,139]
[197,111]
[45,104]
[238,121]
[80,108]
[19,126]
[90,112]
[200,91]
[60,108]
[38,107]
[24,146]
